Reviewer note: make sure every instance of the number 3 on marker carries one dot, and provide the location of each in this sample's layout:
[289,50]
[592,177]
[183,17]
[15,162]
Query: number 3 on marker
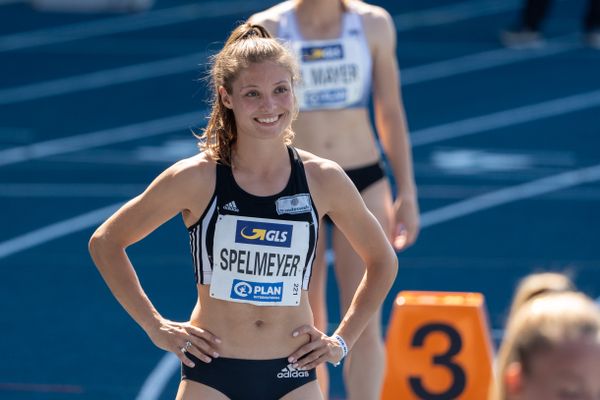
[444,360]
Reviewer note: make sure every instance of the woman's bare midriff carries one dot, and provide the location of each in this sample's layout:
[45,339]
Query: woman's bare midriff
[252,332]
[344,136]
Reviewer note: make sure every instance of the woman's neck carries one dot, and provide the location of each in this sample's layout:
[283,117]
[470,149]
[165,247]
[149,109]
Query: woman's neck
[319,15]
[259,156]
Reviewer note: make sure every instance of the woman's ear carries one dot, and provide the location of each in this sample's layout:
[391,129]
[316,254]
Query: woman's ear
[513,379]
[225,98]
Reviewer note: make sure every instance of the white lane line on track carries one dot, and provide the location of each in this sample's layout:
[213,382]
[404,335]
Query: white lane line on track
[129,190]
[100,138]
[155,69]
[502,119]
[159,377]
[56,230]
[187,63]
[191,12]
[460,192]
[511,194]
[103,78]
[453,13]
[482,61]
[128,23]
[71,190]
[469,126]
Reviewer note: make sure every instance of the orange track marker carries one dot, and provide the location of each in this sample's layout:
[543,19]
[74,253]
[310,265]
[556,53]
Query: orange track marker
[438,347]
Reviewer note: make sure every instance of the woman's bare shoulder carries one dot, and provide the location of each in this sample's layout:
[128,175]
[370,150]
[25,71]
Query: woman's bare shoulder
[320,169]
[270,17]
[189,183]
[378,26]
[368,10]
[308,157]
[198,165]
[190,175]
[328,182]
[376,19]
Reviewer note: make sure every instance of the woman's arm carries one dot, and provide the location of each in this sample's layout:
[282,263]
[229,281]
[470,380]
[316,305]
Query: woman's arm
[337,196]
[390,121]
[169,194]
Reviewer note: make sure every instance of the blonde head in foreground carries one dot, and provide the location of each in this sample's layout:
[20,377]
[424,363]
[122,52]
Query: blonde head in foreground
[551,350]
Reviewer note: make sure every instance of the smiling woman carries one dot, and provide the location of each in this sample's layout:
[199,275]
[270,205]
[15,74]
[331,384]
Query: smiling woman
[252,204]
[261,114]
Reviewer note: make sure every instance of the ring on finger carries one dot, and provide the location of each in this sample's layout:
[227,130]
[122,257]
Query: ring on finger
[187,346]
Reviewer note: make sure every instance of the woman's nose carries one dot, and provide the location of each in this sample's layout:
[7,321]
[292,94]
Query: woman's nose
[267,103]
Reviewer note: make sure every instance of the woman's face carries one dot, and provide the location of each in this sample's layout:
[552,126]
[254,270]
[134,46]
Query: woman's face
[568,372]
[262,100]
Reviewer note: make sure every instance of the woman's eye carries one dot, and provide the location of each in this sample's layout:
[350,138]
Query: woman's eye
[252,94]
[281,89]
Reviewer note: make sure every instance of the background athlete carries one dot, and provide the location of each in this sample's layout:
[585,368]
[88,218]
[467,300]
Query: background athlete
[347,51]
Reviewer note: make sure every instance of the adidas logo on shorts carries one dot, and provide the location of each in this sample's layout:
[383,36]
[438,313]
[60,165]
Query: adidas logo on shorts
[291,372]
[231,206]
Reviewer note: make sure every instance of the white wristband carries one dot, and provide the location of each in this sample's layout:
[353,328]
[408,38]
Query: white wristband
[344,347]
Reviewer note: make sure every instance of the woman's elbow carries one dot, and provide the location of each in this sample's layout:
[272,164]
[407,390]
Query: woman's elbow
[100,243]
[393,268]
[386,269]
[95,243]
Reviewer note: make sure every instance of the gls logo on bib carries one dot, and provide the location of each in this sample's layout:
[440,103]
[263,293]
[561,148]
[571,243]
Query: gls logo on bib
[321,53]
[263,233]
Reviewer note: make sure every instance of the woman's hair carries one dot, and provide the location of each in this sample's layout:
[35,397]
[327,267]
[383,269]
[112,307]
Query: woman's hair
[247,44]
[538,284]
[542,324]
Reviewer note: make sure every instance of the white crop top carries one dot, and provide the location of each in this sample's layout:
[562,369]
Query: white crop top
[336,73]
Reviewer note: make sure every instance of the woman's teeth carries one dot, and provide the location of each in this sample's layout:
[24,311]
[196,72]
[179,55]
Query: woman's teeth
[268,120]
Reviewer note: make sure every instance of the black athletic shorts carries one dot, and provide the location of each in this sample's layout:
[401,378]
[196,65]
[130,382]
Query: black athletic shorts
[248,379]
[362,178]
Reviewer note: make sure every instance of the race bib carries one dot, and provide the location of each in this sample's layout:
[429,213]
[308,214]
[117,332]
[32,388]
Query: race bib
[259,261]
[330,76]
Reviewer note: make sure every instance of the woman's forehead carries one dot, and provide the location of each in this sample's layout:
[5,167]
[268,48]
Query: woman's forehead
[266,72]
[569,354]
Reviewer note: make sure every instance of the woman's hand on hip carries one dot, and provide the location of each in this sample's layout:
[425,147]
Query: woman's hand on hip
[319,349]
[182,338]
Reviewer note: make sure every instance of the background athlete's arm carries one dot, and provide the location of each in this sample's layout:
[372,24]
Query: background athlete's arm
[390,121]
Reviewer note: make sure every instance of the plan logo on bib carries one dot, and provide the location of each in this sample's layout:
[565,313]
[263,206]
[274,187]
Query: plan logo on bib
[257,291]
[263,233]
[325,97]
